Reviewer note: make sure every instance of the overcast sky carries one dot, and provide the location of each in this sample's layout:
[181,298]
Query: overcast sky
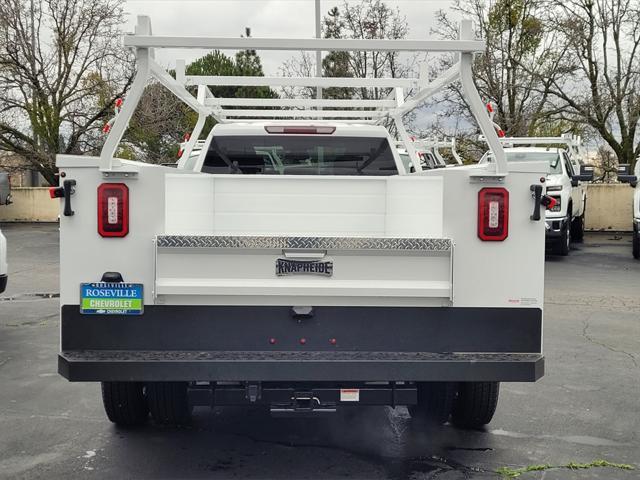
[267,18]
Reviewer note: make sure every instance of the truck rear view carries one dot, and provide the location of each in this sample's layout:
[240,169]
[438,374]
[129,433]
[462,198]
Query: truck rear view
[294,263]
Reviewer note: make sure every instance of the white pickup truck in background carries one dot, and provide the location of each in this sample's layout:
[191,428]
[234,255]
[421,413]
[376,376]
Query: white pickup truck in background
[565,218]
[295,263]
[4,269]
[632,180]
[5,189]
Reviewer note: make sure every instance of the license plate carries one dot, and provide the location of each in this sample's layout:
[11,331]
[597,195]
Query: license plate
[104,298]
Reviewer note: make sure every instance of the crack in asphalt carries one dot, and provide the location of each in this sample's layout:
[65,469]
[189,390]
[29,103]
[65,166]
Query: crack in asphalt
[40,321]
[39,296]
[586,335]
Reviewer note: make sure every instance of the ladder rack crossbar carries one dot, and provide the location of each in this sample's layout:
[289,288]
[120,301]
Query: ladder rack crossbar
[298,102]
[306,44]
[324,82]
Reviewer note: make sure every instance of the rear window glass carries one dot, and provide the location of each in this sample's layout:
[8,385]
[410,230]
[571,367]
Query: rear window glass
[299,155]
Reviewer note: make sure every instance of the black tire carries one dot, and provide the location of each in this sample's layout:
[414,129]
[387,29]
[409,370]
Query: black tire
[125,403]
[636,245]
[577,229]
[475,404]
[435,402]
[169,403]
[564,242]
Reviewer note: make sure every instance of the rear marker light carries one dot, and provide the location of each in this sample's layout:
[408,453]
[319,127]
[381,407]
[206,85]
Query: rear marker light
[113,210]
[493,214]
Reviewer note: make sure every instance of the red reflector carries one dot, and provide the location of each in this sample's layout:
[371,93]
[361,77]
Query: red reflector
[113,210]
[493,214]
[324,130]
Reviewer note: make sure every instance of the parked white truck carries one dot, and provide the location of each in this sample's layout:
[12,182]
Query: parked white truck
[297,264]
[4,268]
[632,180]
[565,218]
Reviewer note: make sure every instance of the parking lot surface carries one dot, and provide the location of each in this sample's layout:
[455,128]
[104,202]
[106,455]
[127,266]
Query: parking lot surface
[586,407]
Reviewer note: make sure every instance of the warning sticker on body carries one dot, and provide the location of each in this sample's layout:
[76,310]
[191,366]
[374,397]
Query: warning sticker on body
[349,395]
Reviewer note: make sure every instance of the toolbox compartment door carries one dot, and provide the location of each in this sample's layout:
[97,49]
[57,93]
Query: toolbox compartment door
[231,239]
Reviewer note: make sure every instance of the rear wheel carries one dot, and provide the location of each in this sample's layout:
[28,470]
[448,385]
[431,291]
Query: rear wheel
[169,402]
[475,404]
[435,402]
[125,403]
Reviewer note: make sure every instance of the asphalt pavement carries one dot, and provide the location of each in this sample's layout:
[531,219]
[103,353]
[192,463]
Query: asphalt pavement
[585,408]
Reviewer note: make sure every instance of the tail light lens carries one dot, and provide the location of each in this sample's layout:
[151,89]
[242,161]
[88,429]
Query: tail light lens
[113,210]
[493,214]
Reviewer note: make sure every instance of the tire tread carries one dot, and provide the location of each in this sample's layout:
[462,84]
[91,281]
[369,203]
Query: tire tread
[169,403]
[476,404]
[125,403]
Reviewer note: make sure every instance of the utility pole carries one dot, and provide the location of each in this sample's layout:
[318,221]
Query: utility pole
[35,178]
[318,53]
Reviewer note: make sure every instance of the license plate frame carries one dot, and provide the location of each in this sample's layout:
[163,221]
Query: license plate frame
[106,298]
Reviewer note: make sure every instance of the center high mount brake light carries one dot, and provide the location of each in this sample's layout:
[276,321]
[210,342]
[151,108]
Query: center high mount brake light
[302,130]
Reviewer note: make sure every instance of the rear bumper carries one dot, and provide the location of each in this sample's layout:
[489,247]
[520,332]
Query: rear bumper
[356,344]
[113,365]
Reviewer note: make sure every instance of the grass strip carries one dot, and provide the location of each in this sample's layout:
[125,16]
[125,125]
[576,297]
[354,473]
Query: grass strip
[508,472]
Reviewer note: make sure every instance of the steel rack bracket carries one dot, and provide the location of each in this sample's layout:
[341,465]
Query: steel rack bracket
[480,113]
[435,145]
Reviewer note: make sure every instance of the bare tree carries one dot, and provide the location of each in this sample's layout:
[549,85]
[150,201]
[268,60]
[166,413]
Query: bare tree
[602,87]
[606,165]
[60,74]
[369,19]
[516,69]
[302,66]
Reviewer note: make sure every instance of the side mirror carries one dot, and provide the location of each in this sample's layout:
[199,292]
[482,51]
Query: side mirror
[574,181]
[632,180]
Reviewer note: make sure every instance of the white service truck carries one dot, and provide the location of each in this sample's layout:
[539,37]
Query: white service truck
[296,264]
[565,217]
[4,269]
[632,180]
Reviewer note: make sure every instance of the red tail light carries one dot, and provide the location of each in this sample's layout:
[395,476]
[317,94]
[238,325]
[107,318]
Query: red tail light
[493,214]
[113,210]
